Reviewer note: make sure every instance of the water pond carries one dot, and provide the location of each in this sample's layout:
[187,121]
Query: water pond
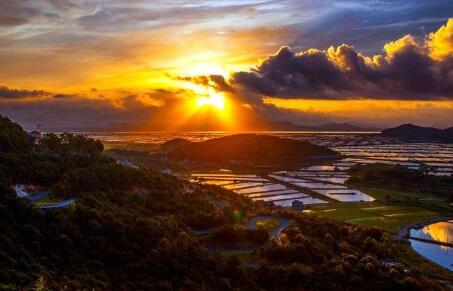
[437,232]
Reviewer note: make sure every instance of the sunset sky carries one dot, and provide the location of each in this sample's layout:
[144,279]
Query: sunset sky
[166,64]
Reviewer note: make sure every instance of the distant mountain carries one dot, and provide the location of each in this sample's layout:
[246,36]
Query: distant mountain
[414,132]
[343,127]
[286,125]
[189,127]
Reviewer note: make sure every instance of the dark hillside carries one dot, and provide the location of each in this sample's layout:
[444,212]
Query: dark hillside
[251,149]
[136,229]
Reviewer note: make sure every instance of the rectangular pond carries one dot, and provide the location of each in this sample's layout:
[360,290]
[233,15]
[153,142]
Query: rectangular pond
[330,180]
[282,197]
[243,185]
[217,182]
[306,201]
[272,193]
[314,185]
[347,195]
[261,189]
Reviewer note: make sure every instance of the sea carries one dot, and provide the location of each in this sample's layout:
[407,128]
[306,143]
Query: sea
[327,138]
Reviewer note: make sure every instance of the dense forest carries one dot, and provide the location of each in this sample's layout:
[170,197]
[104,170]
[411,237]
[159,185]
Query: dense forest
[136,229]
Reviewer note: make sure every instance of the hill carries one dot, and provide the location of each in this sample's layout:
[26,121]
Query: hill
[135,229]
[289,126]
[342,127]
[414,132]
[251,149]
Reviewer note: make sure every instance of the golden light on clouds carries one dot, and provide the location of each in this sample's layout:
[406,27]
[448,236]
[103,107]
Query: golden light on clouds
[143,63]
[215,100]
[441,41]
[352,106]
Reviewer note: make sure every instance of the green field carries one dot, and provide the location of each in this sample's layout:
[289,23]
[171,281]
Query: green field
[381,194]
[376,214]
[383,214]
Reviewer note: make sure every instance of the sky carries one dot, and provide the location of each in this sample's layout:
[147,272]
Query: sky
[231,65]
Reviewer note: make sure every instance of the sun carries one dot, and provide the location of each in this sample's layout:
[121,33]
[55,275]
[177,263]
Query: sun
[214,100]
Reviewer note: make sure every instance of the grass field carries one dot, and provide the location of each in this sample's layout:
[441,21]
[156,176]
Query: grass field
[375,214]
[386,216]
[381,194]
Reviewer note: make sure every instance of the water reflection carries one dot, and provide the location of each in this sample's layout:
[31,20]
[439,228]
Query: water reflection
[441,232]
[438,254]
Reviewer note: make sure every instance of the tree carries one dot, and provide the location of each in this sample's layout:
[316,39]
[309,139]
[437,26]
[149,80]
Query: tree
[40,284]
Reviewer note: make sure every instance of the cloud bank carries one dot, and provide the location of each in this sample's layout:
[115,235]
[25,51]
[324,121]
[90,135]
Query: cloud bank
[408,69]
[13,93]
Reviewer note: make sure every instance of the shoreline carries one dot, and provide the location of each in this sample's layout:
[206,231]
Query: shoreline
[404,230]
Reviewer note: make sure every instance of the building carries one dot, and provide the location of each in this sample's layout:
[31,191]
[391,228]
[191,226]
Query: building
[36,137]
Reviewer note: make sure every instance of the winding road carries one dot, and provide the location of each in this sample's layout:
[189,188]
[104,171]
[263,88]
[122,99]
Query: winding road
[22,193]
[275,232]
[59,204]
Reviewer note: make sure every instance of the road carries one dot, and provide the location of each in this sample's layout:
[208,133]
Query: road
[275,232]
[38,196]
[59,204]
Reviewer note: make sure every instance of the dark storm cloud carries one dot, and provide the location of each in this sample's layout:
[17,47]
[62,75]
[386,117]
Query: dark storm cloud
[75,114]
[13,93]
[217,82]
[64,96]
[408,70]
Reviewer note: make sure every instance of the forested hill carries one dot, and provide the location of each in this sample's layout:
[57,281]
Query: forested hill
[128,229]
[250,149]
[135,229]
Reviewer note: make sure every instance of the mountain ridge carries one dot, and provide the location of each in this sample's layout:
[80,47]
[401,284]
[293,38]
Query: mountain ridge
[415,132]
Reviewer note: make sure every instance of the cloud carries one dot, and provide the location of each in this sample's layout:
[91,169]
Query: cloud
[408,69]
[16,93]
[15,13]
[79,113]
[13,93]
[441,42]
[216,82]
[12,20]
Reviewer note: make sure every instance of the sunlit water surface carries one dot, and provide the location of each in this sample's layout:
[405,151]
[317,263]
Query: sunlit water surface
[442,232]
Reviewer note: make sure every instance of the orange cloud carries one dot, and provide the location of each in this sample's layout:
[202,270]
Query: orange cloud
[441,42]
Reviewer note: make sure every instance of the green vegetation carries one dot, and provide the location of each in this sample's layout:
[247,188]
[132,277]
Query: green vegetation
[267,224]
[376,214]
[402,179]
[399,186]
[130,229]
[403,196]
